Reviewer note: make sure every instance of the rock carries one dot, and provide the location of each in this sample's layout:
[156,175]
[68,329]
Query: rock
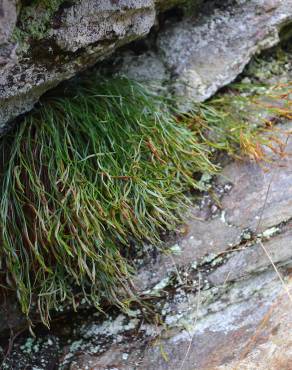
[204,240]
[8,16]
[54,41]
[208,50]
[109,22]
[29,351]
[243,323]
[10,314]
[224,335]
[146,68]
[249,205]
[255,258]
[272,345]
[195,56]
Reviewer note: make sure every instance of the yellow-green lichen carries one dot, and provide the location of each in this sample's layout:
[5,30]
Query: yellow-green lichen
[34,21]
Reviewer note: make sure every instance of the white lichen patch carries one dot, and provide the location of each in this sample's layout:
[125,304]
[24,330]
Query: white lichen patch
[159,286]
[270,232]
[208,258]
[222,216]
[111,327]
[205,181]
[175,249]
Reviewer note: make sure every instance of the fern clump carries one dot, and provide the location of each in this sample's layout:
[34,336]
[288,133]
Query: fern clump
[79,177]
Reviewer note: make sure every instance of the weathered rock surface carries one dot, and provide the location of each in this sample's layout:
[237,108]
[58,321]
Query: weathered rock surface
[247,205]
[218,300]
[51,45]
[206,51]
[194,56]
[10,314]
[222,303]
[8,16]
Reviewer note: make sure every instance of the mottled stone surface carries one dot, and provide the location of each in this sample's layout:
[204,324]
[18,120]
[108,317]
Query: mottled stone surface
[208,50]
[218,329]
[88,22]
[220,299]
[194,57]
[247,205]
[8,16]
[255,258]
[202,239]
[206,343]
[56,46]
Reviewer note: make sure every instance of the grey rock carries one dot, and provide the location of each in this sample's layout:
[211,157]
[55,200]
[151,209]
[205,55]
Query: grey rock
[207,51]
[255,258]
[262,193]
[8,16]
[89,22]
[243,324]
[203,239]
[146,68]
[78,35]
[196,56]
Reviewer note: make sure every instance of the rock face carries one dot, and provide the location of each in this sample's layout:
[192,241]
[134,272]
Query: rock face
[208,50]
[51,43]
[8,16]
[222,302]
[219,299]
[194,56]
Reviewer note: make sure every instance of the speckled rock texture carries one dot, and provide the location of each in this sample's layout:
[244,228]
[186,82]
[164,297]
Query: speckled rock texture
[194,56]
[209,49]
[219,298]
[221,301]
[51,43]
[8,16]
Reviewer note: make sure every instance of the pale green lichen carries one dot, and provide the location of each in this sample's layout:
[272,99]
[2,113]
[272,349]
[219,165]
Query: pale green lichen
[205,181]
[275,62]
[34,21]
[175,249]
[270,232]
[159,286]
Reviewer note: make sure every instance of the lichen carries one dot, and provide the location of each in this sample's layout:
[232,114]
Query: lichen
[270,232]
[34,21]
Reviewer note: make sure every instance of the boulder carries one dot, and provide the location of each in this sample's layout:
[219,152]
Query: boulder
[222,302]
[51,41]
[208,49]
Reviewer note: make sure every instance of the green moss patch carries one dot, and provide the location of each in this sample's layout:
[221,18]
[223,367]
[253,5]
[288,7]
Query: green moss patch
[34,20]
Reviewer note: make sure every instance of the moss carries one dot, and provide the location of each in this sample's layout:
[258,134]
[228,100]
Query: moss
[34,20]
